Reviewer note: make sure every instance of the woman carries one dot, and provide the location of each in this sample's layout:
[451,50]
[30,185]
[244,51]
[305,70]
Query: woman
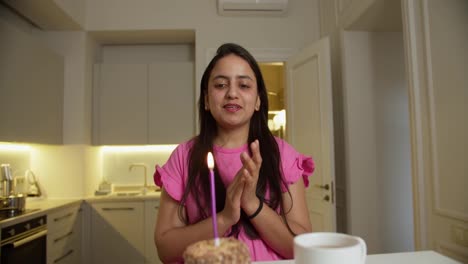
[259,195]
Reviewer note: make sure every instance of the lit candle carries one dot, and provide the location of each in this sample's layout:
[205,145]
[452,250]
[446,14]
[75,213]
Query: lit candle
[210,161]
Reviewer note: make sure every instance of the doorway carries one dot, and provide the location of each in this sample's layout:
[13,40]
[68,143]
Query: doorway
[274,77]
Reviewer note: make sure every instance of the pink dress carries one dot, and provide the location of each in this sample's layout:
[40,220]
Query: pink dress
[173,177]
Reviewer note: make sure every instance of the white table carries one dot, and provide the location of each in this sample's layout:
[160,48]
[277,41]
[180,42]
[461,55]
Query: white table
[425,257]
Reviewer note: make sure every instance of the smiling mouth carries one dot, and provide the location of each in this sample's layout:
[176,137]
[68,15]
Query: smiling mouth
[232,107]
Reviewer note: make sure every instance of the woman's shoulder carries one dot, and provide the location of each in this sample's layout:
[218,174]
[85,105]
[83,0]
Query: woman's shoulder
[284,147]
[182,150]
[186,145]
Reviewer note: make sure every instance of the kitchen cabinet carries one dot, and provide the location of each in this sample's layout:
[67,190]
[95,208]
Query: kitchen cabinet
[122,110]
[143,103]
[171,102]
[123,232]
[31,88]
[151,213]
[117,232]
[64,236]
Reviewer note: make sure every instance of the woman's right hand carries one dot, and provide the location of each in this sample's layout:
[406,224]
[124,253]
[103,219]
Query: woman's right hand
[232,205]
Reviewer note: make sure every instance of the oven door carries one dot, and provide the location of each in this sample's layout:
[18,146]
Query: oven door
[27,249]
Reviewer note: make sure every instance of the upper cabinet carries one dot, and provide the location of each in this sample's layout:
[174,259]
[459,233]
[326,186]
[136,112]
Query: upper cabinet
[171,118]
[31,88]
[144,103]
[121,113]
[369,15]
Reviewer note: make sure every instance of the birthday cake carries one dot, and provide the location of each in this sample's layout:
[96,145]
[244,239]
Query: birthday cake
[230,250]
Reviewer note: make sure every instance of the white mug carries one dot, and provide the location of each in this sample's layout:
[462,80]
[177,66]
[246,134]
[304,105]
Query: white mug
[329,248]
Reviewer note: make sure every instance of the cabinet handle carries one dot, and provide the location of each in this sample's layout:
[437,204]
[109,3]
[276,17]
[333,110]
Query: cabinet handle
[62,237]
[60,218]
[118,209]
[64,256]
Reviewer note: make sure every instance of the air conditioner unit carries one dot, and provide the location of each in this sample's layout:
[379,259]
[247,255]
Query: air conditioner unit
[252,7]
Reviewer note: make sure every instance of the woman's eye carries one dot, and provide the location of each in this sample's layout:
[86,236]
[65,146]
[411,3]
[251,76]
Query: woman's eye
[244,85]
[220,85]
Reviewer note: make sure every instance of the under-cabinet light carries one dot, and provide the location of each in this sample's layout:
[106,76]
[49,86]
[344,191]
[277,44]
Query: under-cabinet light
[5,146]
[146,148]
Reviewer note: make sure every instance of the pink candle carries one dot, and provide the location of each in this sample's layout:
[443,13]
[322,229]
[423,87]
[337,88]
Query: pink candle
[210,161]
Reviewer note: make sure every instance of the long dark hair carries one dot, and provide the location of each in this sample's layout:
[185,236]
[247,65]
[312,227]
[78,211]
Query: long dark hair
[270,176]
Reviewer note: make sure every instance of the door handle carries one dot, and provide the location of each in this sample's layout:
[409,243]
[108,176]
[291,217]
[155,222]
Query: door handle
[327,187]
[324,186]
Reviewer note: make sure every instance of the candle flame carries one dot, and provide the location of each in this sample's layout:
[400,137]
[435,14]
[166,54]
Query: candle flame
[210,161]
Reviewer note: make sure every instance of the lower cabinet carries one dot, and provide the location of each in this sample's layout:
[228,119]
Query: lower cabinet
[64,236]
[151,213]
[122,232]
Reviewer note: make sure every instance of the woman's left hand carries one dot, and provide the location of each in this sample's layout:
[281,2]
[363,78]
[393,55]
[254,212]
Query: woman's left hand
[251,170]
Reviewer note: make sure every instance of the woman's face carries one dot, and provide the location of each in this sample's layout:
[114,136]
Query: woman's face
[232,95]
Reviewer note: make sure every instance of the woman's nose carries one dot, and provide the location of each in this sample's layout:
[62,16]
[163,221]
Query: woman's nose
[232,92]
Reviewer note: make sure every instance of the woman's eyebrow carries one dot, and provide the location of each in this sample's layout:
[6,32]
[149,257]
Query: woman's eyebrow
[220,77]
[244,77]
[237,77]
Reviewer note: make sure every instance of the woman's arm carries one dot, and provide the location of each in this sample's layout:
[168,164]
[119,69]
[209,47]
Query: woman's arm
[268,223]
[271,226]
[172,236]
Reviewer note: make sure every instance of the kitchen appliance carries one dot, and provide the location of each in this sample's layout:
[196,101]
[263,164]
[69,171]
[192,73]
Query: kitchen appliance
[6,179]
[24,242]
[5,214]
[13,203]
[34,189]
[9,200]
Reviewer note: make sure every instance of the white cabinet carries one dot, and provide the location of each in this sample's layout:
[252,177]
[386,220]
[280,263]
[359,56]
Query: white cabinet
[123,232]
[171,102]
[144,103]
[122,111]
[117,232]
[31,88]
[64,235]
[151,213]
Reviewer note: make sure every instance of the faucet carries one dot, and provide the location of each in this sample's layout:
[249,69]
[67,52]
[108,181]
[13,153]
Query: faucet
[133,165]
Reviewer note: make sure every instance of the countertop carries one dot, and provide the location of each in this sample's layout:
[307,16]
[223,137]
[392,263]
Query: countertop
[36,207]
[39,207]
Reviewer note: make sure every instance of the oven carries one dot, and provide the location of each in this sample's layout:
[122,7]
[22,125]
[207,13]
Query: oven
[24,242]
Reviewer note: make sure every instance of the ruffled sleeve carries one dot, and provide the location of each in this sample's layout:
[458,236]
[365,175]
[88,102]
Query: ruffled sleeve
[294,164]
[172,175]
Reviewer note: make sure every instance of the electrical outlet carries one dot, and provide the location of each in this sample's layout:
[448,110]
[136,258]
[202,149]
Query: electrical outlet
[460,235]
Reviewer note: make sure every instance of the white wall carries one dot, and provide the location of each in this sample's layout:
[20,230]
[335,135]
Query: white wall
[360,139]
[74,168]
[377,143]
[294,31]
[75,9]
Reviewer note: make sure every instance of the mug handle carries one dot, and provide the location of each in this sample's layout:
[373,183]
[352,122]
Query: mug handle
[363,249]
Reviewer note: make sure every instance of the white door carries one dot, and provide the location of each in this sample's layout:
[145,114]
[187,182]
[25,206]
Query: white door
[309,124]
[436,41]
